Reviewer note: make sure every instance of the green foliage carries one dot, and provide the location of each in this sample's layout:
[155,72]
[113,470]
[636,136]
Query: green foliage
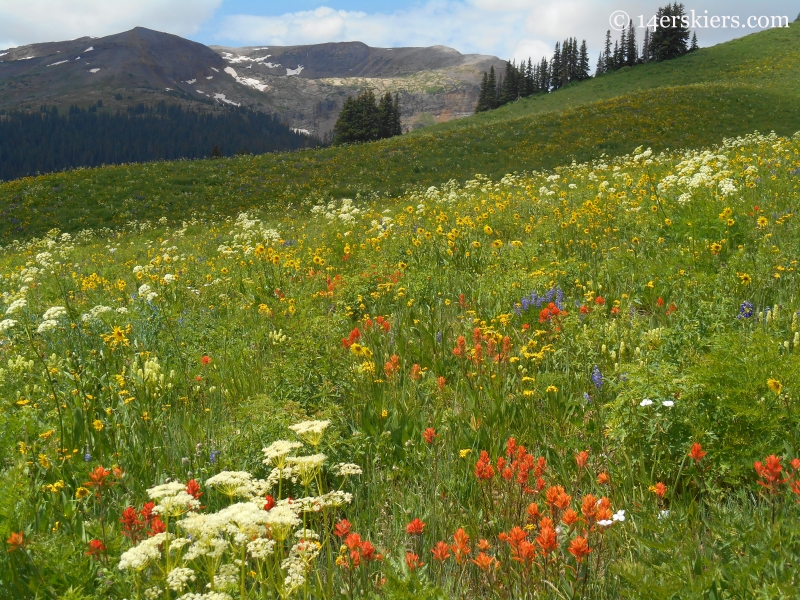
[363,120]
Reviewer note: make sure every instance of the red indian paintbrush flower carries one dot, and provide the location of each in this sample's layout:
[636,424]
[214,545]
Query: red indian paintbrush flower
[96,548]
[416,527]
[581,458]
[429,435]
[770,473]
[484,561]
[659,489]
[15,541]
[579,548]
[483,468]
[441,551]
[697,453]
[546,539]
[461,547]
[413,561]
[342,528]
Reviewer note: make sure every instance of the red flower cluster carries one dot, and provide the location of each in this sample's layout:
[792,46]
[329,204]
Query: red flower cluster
[96,549]
[138,524]
[356,551]
[551,312]
[517,465]
[770,473]
[392,366]
[354,336]
[380,322]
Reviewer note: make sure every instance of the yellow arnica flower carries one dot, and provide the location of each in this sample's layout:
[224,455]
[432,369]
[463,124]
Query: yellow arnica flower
[465,452]
[82,493]
[497,244]
[488,230]
[775,385]
[744,278]
[551,388]
[98,425]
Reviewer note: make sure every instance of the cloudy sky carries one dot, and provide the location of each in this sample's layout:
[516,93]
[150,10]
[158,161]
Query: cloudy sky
[505,28]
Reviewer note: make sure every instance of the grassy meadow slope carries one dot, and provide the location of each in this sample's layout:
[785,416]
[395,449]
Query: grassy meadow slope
[730,89]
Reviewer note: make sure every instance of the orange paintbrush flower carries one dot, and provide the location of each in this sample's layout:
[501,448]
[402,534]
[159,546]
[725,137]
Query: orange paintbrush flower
[579,548]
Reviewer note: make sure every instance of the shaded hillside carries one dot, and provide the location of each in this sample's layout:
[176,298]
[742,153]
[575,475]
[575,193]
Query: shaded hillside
[32,143]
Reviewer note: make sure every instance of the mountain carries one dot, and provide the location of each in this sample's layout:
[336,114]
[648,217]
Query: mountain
[304,85]
[309,84]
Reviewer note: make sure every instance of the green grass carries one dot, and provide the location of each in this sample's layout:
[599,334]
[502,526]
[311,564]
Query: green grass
[731,89]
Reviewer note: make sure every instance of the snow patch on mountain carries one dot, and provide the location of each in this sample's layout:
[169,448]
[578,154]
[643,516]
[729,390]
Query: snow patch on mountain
[222,98]
[61,62]
[89,49]
[93,70]
[249,82]
[191,81]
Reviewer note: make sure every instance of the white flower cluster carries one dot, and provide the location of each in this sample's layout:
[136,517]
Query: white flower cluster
[138,557]
[277,451]
[54,313]
[207,596]
[347,470]
[147,293]
[179,578]
[16,306]
[94,313]
[7,324]
[345,211]
[310,431]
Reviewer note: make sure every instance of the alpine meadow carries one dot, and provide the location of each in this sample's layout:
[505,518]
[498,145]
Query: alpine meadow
[550,350]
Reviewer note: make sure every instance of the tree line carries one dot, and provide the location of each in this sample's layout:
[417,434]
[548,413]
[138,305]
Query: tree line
[365,119]
[48,140]
[570,62]
[663,43]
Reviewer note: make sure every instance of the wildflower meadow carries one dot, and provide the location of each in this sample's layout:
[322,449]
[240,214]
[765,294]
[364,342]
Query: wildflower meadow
[574,383]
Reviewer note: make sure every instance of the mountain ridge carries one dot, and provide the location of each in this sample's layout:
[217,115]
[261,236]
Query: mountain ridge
[304,85]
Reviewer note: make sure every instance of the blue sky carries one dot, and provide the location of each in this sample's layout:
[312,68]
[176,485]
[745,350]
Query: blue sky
[505,28]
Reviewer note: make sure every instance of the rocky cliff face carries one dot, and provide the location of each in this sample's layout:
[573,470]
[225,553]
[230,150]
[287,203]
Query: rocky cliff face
[305,85]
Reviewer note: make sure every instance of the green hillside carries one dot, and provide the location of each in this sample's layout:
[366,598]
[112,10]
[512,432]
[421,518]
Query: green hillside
[730,89]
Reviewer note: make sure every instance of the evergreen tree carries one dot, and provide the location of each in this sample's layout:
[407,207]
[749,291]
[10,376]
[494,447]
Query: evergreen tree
[386,116]
[671,37]
[530,82]
[483,96]
[646,45]
[491,89]
[615,58]
[397,123]
[623,48]
[631,52]
[600,68]
[694,45]
[555,68]
[608,60]
[583,62]
[359,121]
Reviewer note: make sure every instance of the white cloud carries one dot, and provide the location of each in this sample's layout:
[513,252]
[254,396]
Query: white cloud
[34,21]
[508,28]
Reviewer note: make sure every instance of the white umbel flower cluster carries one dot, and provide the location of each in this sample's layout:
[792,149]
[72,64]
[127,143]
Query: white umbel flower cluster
[7,324]
[310,432]
[179,578]
[16,306]
[277,451]
[138,557]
